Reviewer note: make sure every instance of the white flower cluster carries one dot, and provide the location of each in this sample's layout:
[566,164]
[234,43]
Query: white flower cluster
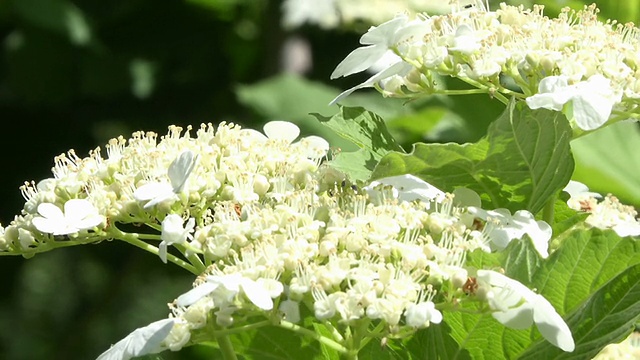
[575,63]
[604,213]
[270,231]
[329,14]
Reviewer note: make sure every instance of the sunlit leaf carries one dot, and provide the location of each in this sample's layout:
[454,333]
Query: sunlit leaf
[521,163]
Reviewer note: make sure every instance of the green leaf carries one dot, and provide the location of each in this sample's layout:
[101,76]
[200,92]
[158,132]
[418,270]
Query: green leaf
[358,165]
[435,343]
[485,338]
[523,161]
[521,260]
[608,316]
[586,260]
[275,343]
[607,161]
[363,128]
[368,132]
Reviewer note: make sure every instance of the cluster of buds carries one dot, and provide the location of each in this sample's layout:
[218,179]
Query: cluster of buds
[587,68]
[270,229]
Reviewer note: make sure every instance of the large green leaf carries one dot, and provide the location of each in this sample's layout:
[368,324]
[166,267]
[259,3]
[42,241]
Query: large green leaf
[608,161]
[368,132]
[484,338]
[608,316]
[586,260]
[274,343]
[435,343]
[522,162]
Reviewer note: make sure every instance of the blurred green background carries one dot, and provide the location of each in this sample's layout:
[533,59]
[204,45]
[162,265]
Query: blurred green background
[75,73]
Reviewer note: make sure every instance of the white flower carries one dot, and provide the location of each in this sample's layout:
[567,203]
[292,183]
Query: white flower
[158,192]
[259,293]
[406,188]
[174,233]
[608,213]
[380,42]
[590,101]
[517,307]
[379,39]
[578,189]
[142,341]
[421,314]
[501,228]
[79,214]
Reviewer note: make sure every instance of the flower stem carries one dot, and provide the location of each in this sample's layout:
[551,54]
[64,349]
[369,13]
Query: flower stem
[314,335]
[226,347]
[132,238]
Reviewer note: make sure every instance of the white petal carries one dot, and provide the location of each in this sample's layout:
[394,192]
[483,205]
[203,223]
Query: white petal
[316,147]
[45,225]
[281,130]
[553,93]
[258,295]
[180,169]
[162,251]
[384,32]
[590,111]
[518,318]
[50,211]
[142,341]
[398,68]
[538,231]
[359,60]
[625,229]
[410,188]
[77,209]
[192,296]
[172,229]
[153,190]
[576,188]
[551,325]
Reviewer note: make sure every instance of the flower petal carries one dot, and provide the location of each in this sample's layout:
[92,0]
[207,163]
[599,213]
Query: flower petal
[551,325]
[258,295]
[192,296]
[180,169]
[281,130]
[142,341]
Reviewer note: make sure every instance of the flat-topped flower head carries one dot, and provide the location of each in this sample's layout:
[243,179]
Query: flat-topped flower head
[576,64]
